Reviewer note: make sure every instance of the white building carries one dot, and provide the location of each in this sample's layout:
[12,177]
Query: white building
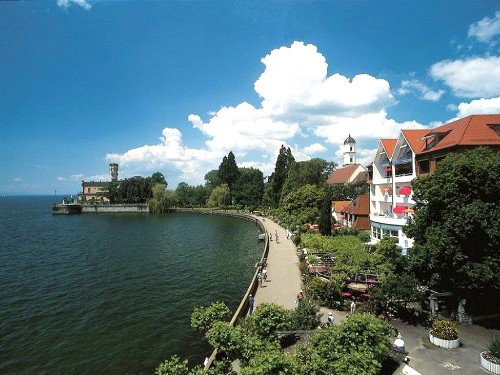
[390,190]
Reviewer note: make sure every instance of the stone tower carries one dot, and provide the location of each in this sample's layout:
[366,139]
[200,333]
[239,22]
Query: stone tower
[349,150]
[113,171]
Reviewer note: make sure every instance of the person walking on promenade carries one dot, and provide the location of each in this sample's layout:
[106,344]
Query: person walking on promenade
[264,274]
[259,278]
[353,307]
[330,319]
[250,304]
[276,235]
[300,296]
[270,237]
[399,343]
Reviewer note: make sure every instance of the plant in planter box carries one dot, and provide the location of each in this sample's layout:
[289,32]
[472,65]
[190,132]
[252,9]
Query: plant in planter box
[494,354]
[445,329]
[490,360]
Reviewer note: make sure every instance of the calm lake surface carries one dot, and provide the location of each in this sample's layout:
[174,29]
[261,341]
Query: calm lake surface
[112,293]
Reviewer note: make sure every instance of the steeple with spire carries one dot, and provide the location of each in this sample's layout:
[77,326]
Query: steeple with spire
[349,150]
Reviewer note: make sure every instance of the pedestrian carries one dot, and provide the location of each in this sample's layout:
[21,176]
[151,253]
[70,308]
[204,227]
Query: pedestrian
[264,274]
[399,343]
[270,237]
[330,319]
[353,307]
[300,296]
[259,277]
[250,304]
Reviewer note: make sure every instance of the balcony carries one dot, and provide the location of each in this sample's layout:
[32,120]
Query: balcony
[388,219]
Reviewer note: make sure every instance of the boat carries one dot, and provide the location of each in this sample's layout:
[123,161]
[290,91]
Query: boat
[262,236]
[67,207]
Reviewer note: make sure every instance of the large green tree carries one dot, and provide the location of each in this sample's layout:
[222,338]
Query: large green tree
[220,196]
[278,178]
[456,226]
[302,206]
[249,188]
[228,171]
[303,173]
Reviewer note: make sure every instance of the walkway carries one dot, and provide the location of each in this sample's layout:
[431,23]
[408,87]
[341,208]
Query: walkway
[284,279]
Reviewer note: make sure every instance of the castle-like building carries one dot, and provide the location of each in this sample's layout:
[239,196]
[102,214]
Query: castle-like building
[95,191]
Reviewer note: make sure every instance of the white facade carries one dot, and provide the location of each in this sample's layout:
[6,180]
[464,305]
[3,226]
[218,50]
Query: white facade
[349,151]
[390,191]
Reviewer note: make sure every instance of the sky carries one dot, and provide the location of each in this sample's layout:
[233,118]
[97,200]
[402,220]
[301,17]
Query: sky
[173,86]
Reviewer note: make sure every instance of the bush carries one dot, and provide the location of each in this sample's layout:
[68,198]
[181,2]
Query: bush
[495,348]
[445,329]
[364,236]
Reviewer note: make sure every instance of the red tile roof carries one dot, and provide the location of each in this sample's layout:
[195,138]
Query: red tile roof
[359,206]
[339,206]
[414,138]
[474,130]
[388,144]
[342,175]
[362,223]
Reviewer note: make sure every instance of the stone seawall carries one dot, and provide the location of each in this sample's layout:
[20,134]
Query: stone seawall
[115,208]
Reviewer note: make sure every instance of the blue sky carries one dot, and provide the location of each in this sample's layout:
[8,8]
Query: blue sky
[173,86]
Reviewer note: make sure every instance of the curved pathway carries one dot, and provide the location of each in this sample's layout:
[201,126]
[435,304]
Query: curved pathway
[283,274]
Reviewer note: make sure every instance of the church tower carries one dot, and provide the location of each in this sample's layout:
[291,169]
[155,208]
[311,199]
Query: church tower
[113,172]
[349,151]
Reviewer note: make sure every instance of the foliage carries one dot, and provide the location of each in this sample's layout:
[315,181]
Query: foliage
[228,171]
[221,336]
[249,188]
[445,329]
[456,226]
[305,316]
[191,195]
[203,318]
[356,346]
[303,173]
[158,178]
[132,190]
[270,362]
[112,192]
[322,290]
[163,200]
[278,177]
[495,347]
[347,192]
[269,318]
[220,196]
[301,206]
[212,179]
[401,287]
[364,236]
[325,218]
[173,366]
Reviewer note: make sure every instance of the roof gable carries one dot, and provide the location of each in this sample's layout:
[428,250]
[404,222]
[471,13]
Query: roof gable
[388,144]
[342,175]
[474,130]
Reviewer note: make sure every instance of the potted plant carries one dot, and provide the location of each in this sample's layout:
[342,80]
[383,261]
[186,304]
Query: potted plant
[444,333]
[490,360]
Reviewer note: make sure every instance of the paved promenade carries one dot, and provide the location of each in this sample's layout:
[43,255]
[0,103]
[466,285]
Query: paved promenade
[283,280]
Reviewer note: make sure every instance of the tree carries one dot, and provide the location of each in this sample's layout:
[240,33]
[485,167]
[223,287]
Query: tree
[158,178]
[220,196]
[163,200]
[302,206]
[183,192]
[249,188]
[304,173]
[228,171]
[212,179]
[202,318]
[325,218]
[277,179]
[456,226]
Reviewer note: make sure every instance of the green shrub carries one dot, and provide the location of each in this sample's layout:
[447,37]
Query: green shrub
[495,347]
[364,236]
[445,329]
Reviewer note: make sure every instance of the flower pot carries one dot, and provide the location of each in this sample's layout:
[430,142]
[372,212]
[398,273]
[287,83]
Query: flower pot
[447,344]
[488,365]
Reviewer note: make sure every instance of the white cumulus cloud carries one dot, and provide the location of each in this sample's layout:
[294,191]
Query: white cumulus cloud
[299,99]
[413,85]
[472,78]
[66,3]
[478,107]
[486,29]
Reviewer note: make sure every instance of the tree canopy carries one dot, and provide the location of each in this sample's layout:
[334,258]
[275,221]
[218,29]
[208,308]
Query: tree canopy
[278,177]
[248,189]
[456,226]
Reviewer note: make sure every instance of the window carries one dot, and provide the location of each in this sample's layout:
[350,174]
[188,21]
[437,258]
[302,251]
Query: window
[375,232]
[350,148]
[439,158]
[423,166]
[351,160]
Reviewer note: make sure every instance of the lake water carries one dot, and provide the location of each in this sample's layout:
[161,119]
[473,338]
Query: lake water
[112,293]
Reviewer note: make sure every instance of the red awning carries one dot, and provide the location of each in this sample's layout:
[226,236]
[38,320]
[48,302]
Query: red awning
[399,209]
[405,190]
